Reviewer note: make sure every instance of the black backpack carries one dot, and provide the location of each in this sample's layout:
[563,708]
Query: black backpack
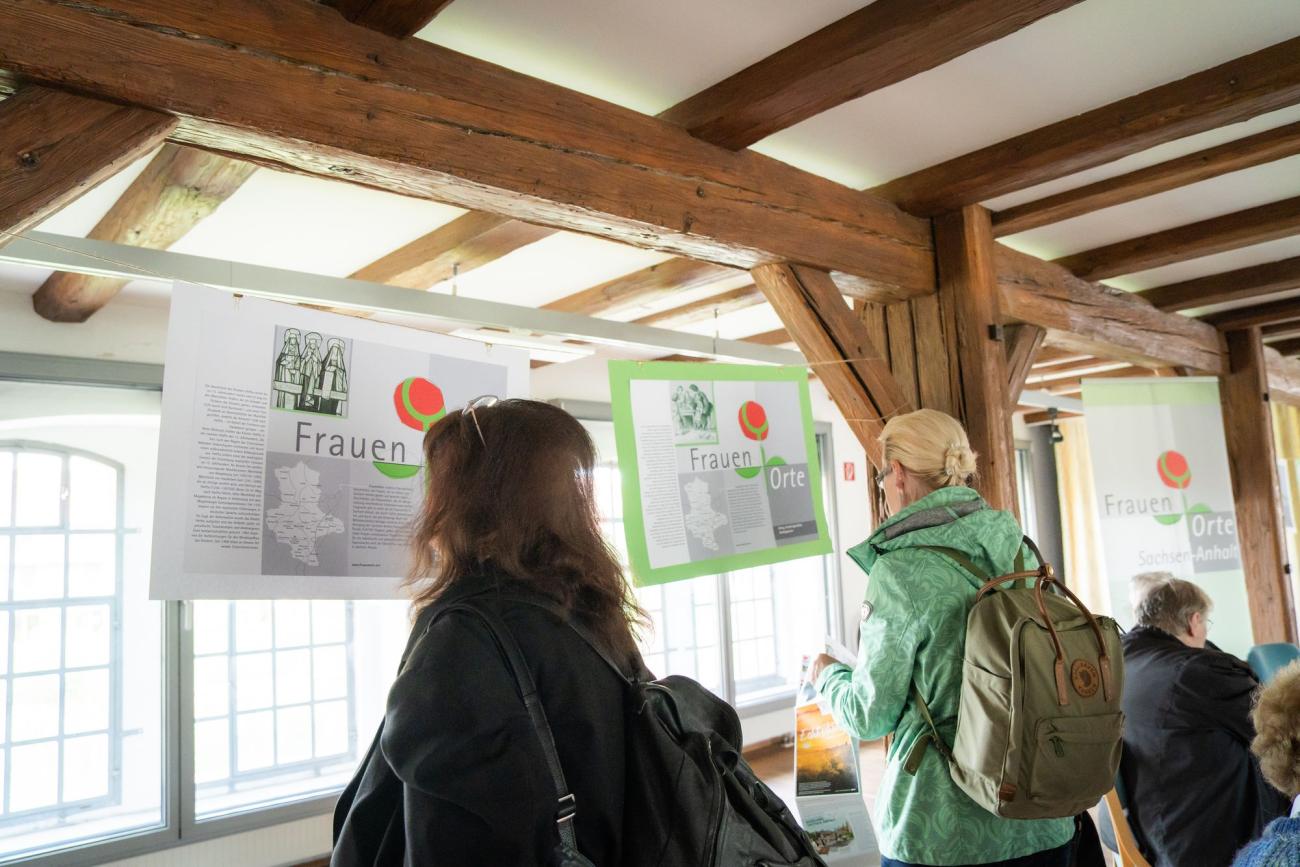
[691,797]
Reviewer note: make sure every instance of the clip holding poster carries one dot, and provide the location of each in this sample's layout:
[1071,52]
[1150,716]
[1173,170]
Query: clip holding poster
[721,470]
[290,446]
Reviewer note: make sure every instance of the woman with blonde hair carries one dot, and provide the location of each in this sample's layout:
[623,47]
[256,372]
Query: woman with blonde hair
[912,637]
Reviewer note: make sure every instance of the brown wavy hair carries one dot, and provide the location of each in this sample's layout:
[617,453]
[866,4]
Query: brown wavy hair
[518,505]
[1276,716]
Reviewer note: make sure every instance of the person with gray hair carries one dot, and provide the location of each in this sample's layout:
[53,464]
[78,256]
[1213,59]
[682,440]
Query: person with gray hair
[1195,793]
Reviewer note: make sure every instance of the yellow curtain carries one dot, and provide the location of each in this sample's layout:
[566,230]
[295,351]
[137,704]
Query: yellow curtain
[1085,566]
[1286,442]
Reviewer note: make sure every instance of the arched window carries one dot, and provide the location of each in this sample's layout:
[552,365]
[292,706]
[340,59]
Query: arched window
[61,548]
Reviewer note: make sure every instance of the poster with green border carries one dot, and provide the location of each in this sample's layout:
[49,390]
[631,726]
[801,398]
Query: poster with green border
[719,467]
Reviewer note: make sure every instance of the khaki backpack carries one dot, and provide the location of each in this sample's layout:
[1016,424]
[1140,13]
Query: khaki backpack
[1039,725]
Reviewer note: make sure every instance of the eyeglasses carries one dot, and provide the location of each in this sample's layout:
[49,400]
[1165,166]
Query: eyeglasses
[880,480]
[481,402]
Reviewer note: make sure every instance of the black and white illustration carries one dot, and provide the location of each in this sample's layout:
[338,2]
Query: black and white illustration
[311,372]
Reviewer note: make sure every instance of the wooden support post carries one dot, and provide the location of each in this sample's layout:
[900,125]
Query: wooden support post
[55,146]
[838,346]
[1022,348]
[1248,428]
[968,294]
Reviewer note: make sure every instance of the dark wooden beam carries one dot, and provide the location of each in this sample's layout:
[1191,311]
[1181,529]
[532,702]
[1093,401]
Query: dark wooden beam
[467,242]
[1023,344]
[1264,147]
[1234,91]
[56,146]
[641,287]
[412,117]
[1248,429]
[879,45]
[1285,310]
[1280,330]
[1075,384]
[1060,371]
[837,348]
[179,189]
[705,308]
[1288,348]
[398,18]
[1206,237]
[1097,320]
[968,294]
[1244,284]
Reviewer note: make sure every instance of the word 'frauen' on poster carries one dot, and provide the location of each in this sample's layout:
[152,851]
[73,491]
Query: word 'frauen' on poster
[1164,494]
[719,467]
[291,445]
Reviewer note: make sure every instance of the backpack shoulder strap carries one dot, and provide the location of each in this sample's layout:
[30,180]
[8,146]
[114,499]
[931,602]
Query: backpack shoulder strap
[966,563]
[932,736]
[567,805]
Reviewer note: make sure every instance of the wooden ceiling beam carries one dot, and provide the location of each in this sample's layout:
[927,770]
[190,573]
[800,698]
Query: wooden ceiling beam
[56,146]
[1098,320]
[1283,376]
[1265,147]
[1206,237]
[398,18]
[1244,284]
[1231,92]
[1023,345]
[179,189]
[1280,330]
[1286,310]
[879,45]
[641,287]
[470,241]
[408,116]
[705,308]
[1288,348]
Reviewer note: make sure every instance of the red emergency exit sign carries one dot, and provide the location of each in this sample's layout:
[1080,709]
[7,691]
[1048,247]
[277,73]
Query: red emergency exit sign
[850,471]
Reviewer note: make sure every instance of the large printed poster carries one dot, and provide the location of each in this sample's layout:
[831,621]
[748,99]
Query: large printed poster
[290,447]
[1160,466]
[720,467]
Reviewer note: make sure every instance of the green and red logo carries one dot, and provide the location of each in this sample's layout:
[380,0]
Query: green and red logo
[419,404]
[1175,472]
[754,425]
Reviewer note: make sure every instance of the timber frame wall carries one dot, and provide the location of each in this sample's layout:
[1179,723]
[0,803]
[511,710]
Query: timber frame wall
[942,315]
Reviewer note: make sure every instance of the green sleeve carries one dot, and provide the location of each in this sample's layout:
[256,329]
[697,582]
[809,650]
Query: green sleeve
[868,701]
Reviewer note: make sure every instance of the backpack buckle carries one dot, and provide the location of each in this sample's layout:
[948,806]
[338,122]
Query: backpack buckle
[567,810]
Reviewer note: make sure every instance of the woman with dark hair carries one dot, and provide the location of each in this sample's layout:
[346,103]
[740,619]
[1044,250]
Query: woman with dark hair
[457,774]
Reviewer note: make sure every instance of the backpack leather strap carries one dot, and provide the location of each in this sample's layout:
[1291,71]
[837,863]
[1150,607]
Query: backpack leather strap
[566,804]
[913,762]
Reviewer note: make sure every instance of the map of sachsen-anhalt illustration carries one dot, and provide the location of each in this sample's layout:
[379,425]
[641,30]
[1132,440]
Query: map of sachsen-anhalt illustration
[702,519]
[299,520]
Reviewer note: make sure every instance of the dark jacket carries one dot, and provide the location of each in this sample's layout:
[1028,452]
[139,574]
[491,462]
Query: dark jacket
[456,774]
[1195,794]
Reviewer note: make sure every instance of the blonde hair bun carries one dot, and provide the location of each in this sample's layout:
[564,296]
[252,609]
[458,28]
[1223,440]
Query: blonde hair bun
[931,444]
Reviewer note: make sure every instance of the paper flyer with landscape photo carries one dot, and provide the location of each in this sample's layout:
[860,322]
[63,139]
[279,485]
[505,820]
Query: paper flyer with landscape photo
[295,436]
[727,474]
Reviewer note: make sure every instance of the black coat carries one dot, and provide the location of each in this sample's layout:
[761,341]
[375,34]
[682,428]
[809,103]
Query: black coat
[1195,792]
[456,774]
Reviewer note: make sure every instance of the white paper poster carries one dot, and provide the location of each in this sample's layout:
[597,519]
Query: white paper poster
[290,446]
[1160,467]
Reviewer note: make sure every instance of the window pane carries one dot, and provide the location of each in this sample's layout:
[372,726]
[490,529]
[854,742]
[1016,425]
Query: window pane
[252,625]
[86,701]
[6,488]
[87,637]
[92,495]
[37,766]
[92,564]
[40,490]
[211,626]
[315,678]
[211,687]
[38,639]
[85,768]
[292,623]
[88,654]
[768,648]
[38,567]
[36,707]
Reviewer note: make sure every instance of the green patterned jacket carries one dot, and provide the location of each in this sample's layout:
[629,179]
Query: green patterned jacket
[914,628]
